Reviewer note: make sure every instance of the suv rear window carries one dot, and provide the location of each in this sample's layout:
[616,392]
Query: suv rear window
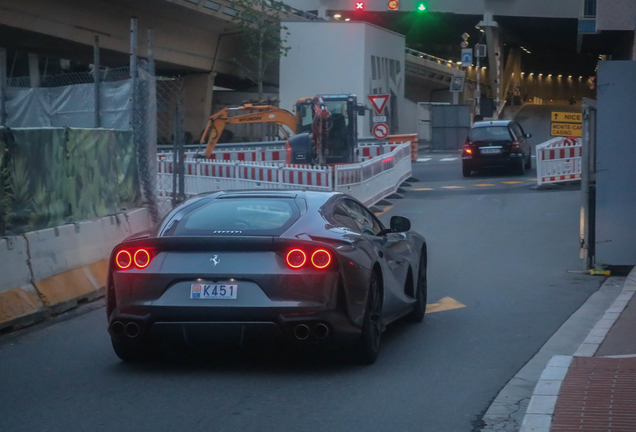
[239,216]
[489,133]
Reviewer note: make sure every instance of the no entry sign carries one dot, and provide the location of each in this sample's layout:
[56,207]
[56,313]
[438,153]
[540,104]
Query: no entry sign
[380,131]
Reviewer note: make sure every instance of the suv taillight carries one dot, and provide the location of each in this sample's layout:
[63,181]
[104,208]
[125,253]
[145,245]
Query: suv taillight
[515,146]
[467,147]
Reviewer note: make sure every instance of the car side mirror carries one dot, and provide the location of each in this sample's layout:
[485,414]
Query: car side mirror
[400,224]
[528,135]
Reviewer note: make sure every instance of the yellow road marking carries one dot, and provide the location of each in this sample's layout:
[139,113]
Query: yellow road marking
[532,179]
[484,184]
[422,189]
[512,182]
[384,210]
[447,303]
[452,187]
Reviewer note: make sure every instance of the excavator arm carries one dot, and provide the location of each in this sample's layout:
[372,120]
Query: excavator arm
[259,114]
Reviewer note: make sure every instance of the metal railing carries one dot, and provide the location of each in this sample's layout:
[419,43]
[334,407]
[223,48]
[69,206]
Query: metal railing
[432,58]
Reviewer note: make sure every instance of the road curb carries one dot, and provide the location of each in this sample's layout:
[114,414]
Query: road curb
[538,417]
[507,411]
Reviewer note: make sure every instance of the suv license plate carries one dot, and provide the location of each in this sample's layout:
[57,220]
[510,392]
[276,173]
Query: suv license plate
[215,291]
[491,151]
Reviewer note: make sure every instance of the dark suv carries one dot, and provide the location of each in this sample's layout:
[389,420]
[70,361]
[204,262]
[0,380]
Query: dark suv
[496,143]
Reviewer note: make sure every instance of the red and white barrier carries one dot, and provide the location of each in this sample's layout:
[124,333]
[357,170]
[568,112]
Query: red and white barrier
[376,178]
[369,181]
[559,160]
[275,154]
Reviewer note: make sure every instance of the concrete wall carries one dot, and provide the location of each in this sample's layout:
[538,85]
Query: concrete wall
[50,270]
[335,58]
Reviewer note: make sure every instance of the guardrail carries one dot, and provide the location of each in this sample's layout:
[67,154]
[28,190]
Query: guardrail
[559,160]
[377,178]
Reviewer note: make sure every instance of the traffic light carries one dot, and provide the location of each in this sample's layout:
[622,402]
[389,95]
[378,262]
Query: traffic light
[420,6]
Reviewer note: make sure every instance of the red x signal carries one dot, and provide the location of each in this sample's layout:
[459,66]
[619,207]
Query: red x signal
[359,5]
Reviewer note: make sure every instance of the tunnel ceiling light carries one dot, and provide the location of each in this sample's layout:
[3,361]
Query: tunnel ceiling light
[549,75]
[484,67]
[540,75]
[581,77]
[531,73]
[336,16]
[523,73]
[459,63]
[347,19]
[560,76]
[570,76]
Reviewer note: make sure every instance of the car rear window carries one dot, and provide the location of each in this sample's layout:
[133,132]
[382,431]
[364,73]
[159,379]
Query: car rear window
[489,133]
[239,216]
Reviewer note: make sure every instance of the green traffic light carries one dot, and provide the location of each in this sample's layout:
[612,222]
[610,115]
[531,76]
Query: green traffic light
[421,7]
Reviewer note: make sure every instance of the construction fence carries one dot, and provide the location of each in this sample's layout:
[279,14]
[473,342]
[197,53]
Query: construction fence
[53,176]
[73,145]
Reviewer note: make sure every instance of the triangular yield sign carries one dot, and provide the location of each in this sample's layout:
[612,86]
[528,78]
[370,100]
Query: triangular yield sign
[379,101]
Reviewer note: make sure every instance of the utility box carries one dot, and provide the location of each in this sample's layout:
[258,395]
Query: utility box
[337,57]
[615,164]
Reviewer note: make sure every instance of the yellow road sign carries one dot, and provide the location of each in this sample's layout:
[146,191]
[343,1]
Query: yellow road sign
[566,117]
[567,129]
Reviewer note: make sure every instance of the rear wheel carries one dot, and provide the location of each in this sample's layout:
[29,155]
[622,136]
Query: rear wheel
[529,161]
[421,293]
[366,351]
[466,171]
[132,352]
[520,167]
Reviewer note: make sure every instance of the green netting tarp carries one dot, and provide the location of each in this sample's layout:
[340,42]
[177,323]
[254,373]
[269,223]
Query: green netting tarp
[53,176]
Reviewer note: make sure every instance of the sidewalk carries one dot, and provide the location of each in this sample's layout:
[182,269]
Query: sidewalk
[595,389]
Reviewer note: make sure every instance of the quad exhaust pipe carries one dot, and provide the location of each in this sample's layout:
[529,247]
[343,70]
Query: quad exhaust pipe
[301,332]
[321,331]
[117,328]
[132,329]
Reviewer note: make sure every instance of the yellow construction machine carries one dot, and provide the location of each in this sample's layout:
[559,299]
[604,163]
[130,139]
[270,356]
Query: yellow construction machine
[324,129]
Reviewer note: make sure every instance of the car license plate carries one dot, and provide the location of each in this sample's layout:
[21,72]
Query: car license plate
[491,151]
[214,291]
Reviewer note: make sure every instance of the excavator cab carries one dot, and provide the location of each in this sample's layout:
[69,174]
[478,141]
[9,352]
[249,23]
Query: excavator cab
[341,135]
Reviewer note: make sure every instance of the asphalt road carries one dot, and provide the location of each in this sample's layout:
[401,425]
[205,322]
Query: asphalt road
[501,249]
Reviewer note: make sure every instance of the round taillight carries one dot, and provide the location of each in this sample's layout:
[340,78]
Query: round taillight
[123,259]
[142,258]
[296,258]
[321,258]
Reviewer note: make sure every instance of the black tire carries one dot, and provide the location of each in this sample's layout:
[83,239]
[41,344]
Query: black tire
[529,162]
[421,294]
[367,349]
[132,352]
[466,171]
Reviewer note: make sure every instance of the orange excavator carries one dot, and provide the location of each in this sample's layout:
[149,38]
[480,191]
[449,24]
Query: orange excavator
[258,114]
[323,131]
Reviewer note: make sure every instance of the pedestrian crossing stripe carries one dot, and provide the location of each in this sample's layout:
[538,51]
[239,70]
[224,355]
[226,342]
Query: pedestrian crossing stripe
[447,159]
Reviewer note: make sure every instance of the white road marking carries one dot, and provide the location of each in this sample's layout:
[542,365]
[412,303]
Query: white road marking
[424,159]
[447,159]
[533,156]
